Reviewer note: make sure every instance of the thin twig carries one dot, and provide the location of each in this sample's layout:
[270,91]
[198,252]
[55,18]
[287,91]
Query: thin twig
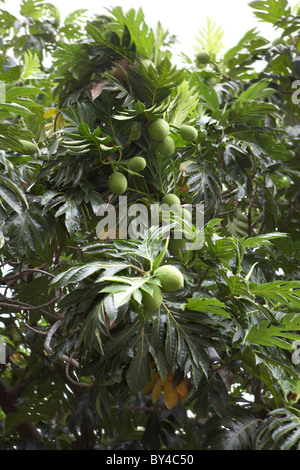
[16,304]
[14,277]
[202,278]
[74,382]
[50,334]
[5,262]
[32,307]
[34,330]
[32,345]
[48,339]
[290,214]
[140,408]
[250,226]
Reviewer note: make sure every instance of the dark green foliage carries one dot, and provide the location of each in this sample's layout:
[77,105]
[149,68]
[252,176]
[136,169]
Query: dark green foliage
[83,354]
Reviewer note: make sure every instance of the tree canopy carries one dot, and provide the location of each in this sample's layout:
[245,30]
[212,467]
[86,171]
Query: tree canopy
[99,352]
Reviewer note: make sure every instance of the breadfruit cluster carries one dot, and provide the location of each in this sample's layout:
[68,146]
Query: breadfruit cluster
[158,131]
[177,244]
[171,280]
[167,146]
[117,182]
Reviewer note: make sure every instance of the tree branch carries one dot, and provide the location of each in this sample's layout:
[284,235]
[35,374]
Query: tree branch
[290,214]
[15,277]
[150,409]
[16,304]
[48,339]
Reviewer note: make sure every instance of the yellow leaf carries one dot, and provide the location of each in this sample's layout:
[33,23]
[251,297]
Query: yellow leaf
[157,390]
[182,389]
[171,396]
[50,112]
[150,385]
[60,122]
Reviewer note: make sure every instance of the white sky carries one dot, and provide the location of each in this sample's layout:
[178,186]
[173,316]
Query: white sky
[183,18]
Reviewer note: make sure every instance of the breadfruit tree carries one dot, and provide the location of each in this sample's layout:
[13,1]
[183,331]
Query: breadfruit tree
[115,342]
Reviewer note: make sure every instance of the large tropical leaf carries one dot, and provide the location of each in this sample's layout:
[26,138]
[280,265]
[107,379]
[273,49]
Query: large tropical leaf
[280,431]
[270,11]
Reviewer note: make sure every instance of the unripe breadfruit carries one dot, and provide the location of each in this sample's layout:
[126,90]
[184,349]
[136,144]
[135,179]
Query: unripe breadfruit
[153,301]
[296,66]
[203,58]
[212,81]
[28,146]
[137,164]
[117,183]
[161,214]
[278,41]
[170,199]
[170,278]
[166,146]
[176,245]
[188,133]
[155,213]
[185,214]
[158,129]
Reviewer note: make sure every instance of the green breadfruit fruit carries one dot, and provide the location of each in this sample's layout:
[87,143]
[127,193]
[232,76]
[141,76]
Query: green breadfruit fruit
[170,277]
[188,133]
[185,213]
[166,146]
[212,81]
[28,146]
[161,214]
[170,199]
[296,66]
[153,301]
[155,213]
[137,164]
[158,130]
[278,41]
[117,183]
[176,245]
[203,58]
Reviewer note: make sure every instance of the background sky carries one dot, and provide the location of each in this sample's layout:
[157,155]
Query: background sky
[183,18]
